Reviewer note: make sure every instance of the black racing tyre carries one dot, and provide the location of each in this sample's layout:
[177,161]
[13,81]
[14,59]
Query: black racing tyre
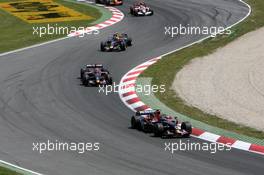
[139,126]
[129,42]
[131,11]
[81,74]
[152,12]
[142,126]
[102,46]
[85,80]
[107,2]
[110,81]
[122,46]
[85,83]
[187,127]
[158,129]
[133,122]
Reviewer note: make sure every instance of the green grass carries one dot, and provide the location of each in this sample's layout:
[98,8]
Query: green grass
[176,61]
[5,171]
[16,33]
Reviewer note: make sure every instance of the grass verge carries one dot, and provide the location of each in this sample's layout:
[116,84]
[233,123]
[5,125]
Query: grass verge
[5,171]
[16,33]
[176,61]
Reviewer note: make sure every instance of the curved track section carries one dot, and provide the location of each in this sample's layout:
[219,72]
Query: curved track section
[41,98]
[128,95]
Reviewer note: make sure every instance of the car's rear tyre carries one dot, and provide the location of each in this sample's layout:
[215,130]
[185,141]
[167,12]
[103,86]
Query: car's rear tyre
[107,2]
[85,83]
[133,122]
[139,127]
[152,12]
[81,74]
[110,81]
[158,129]
[129,42]
[102,46]
[123,46]
[131,11]
[142,126]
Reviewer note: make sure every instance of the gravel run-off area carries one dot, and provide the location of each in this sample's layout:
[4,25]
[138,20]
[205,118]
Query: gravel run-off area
[228,83]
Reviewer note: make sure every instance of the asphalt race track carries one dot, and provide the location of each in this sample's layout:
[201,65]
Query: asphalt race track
[41,98]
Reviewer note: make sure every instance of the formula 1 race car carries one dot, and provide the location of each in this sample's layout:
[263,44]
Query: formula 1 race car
[118,42]
[151,121]
[109,2]
[141,9]
[95,75]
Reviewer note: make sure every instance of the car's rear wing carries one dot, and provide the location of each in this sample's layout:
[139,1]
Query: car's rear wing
[94,66]
[146,112]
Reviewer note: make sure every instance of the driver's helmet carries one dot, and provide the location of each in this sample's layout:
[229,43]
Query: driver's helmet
[142,3]
[96,70]
[176,120]
[157,112]
[116,36]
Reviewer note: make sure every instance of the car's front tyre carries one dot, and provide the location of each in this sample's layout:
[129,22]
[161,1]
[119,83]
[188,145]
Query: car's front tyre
[186,126]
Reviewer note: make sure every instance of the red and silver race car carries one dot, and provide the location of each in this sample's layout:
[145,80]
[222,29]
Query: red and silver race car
[109,2]
[141,9]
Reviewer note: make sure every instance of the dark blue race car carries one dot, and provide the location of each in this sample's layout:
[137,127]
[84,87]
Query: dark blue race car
[118,42]
[151,121]
[95,75]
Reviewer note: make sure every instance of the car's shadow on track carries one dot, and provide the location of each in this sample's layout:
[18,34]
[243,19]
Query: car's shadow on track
[154,136]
